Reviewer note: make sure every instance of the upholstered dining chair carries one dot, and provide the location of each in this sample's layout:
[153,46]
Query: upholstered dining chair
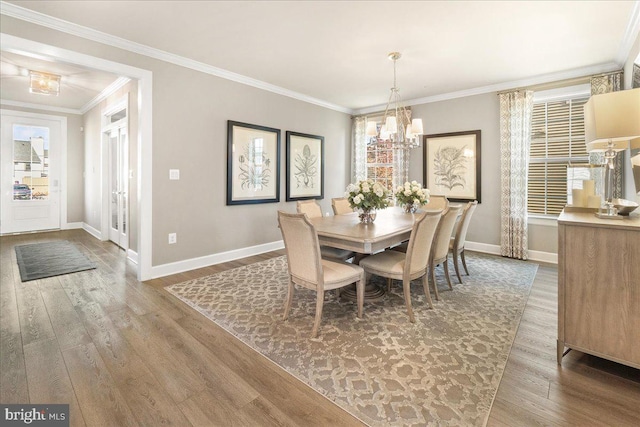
[456,243]
[307,269]
[436,202]
[313,210]
[341,206]
[440,248]
[410,265]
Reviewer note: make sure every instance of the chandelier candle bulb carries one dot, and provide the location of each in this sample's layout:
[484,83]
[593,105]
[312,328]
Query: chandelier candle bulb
[578,197]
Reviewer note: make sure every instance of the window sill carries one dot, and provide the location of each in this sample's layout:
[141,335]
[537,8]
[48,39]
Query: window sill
[543,220]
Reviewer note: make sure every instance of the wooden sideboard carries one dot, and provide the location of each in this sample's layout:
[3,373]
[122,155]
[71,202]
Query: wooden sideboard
[599,287]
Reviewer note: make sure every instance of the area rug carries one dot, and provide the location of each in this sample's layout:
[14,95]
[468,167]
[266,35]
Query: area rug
[442,370]
[40,260]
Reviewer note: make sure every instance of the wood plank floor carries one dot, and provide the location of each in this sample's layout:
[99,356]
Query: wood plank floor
[122,352]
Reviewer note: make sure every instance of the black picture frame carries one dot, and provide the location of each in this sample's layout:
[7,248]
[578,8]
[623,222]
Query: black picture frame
[452,165]
[305,166]
[253,164]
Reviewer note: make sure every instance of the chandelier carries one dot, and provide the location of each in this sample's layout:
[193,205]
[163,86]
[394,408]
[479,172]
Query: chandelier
[44,83]
[397,125]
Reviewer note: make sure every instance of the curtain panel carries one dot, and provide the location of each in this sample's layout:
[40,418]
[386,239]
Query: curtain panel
[599,85]
[515,138]
[359,149]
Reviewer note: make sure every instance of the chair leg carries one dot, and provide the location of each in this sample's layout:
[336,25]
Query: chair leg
[455,264]
[464,262]
[446,272]
[435,284]
[406,287]
[287,304]
[389,284]
[425,285]
[360,296]
[319,303]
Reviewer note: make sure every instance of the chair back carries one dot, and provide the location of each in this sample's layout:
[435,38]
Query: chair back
[309,207]
[463,225]
[442,239]
[420,242]
[341,206]
[302,247]
[436,202]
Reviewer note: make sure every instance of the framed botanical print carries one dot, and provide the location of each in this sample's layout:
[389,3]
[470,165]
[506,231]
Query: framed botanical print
[253,164]
[305,166]
[452,165]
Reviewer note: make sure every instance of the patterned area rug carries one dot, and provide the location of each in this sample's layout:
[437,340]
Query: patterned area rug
[40,260]
[444,369]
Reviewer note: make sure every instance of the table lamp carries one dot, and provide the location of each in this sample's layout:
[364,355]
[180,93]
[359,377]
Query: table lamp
[611,120]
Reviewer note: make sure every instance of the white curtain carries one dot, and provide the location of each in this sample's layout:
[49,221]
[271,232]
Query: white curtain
[515,137]
[359,149]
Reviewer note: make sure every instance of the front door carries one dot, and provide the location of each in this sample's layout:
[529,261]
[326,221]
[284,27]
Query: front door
[30,171]
[119,186]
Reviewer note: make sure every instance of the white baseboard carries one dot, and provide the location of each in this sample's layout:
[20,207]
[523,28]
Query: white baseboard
[495,250]
[205,261]
[89,229]
[72,225]
[132,255]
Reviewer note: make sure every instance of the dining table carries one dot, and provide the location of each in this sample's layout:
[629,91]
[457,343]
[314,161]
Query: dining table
[391,227]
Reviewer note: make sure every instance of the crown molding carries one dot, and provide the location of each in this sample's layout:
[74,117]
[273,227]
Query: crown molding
[108,91]
[67,27]
[42,107]
[547,78]
[630,35]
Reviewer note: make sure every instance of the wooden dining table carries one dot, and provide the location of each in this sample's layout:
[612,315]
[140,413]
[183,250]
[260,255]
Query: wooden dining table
[391,227]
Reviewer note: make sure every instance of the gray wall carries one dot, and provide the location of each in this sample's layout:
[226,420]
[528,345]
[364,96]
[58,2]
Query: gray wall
[75,160]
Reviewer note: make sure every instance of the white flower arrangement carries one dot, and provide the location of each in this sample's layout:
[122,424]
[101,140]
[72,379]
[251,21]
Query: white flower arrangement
[412,193]
[367,195]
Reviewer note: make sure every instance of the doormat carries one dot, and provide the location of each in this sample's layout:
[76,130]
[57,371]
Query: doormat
[40,260]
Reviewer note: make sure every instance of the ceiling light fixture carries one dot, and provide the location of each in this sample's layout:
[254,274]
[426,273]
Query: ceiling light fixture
[397,126]
[44,83]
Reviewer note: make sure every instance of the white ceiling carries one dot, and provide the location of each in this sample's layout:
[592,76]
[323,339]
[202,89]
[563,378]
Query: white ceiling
[78,86]
[335,51]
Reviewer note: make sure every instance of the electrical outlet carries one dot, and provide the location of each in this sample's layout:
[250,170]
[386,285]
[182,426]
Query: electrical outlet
[173,238]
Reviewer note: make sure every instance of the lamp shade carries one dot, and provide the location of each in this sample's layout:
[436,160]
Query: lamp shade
[612,117]
[391,124]
[416,127]
[372,129]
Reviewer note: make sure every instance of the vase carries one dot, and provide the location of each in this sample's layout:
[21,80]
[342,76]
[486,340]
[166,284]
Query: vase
[367,216]
[410,207]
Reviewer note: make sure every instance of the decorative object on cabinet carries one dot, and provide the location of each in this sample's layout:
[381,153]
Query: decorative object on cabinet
[452,165]
[305,166]
[253,164]
[611,120]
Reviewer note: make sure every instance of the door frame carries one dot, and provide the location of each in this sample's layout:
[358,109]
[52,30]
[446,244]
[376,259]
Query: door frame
[122,103]
[62,153]
[144,195]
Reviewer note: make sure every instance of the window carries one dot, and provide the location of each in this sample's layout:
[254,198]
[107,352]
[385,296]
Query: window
[557,141]
[380,164]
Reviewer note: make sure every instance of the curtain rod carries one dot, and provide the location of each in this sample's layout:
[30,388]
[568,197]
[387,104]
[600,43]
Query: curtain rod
[560,83]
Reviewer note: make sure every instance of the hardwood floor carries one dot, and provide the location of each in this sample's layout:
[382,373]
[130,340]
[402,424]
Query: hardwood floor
[122,352]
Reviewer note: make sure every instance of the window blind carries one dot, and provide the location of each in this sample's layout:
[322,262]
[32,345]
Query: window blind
[557,140]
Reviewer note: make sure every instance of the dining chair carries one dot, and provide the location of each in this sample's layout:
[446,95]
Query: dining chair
[306,268]
[440,247]
[410,265]
[341,206]
[456,243]
[313,210]
[436,202]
